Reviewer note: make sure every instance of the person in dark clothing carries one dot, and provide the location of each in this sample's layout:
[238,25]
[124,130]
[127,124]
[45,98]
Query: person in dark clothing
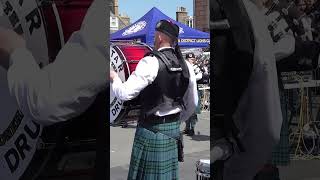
[247,103]
[191,122]
[167,87]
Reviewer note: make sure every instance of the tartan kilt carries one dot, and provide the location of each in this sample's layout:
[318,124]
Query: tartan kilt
[281,153]
[154,155]
[198,108]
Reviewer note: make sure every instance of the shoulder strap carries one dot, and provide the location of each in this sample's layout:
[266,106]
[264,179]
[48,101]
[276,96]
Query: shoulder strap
[165,60]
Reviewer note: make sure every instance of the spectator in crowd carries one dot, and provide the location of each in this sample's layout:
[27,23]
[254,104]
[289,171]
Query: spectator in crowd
[191,122]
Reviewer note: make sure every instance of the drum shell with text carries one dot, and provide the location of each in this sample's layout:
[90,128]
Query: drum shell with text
[124,58]
[46,26]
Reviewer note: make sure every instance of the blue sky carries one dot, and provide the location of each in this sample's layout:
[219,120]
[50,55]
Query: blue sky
[137,8]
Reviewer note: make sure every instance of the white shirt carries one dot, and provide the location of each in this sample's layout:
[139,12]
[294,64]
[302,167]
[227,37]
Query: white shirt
[144,74]
[67,87]
[197,72]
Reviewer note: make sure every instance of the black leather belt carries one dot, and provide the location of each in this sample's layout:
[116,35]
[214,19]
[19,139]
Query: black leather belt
[153,119]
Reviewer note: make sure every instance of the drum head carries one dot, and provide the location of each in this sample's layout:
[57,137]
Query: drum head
[124,56]
[21,138]
[19,134]
[119,65]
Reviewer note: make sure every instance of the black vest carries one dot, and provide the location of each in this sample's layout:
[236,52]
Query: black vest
[233,64]
[167,90]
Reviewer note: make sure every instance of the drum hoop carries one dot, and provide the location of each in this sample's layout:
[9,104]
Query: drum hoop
[132,61]
[67,2]
[58,20]
[113,44]
[39,4]
[124,60]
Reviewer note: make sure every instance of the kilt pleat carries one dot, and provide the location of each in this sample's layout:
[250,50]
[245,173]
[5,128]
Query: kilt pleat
[281,152]
[198,108]
[155,155]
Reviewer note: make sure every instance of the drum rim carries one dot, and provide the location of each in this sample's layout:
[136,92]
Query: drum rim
[206,175]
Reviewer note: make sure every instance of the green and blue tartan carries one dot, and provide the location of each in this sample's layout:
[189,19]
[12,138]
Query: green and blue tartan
[191,122]
[155,155]
[198,108]
[281,153]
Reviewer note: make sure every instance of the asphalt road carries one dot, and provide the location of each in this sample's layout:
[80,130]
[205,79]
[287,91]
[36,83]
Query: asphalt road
[301,170]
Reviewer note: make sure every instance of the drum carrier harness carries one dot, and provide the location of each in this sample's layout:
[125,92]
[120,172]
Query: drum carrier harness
[167,90]
[165,93]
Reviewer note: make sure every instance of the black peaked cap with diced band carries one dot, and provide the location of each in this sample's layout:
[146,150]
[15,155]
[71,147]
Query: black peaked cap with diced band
[169,28]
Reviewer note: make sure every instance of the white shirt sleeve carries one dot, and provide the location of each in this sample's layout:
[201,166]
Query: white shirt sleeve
[199,76]
[190,98]
[144,74]
[284,47]
[198,72]
[63,89]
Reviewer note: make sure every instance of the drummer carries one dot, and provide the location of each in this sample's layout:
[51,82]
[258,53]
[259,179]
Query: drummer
[65,88]
[191,122]
[168,95]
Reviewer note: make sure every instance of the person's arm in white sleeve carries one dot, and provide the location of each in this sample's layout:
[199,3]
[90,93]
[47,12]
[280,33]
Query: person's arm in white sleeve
[284,47]
[198,74]
[144,74]
[62,90]
[190,98]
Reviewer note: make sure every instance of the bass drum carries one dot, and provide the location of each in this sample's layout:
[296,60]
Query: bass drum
[25,145]
[124,57]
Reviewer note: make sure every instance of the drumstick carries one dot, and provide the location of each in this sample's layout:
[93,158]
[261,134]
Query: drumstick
[274,4]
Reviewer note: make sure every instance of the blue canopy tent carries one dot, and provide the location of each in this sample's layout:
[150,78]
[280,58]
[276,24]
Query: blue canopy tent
[144,29]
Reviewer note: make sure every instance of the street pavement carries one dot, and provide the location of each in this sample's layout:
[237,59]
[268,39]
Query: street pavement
[196,147]
[301,170]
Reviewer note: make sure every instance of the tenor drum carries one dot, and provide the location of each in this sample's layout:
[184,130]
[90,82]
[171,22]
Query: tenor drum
[124,57]
[46,26]
[203,169]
